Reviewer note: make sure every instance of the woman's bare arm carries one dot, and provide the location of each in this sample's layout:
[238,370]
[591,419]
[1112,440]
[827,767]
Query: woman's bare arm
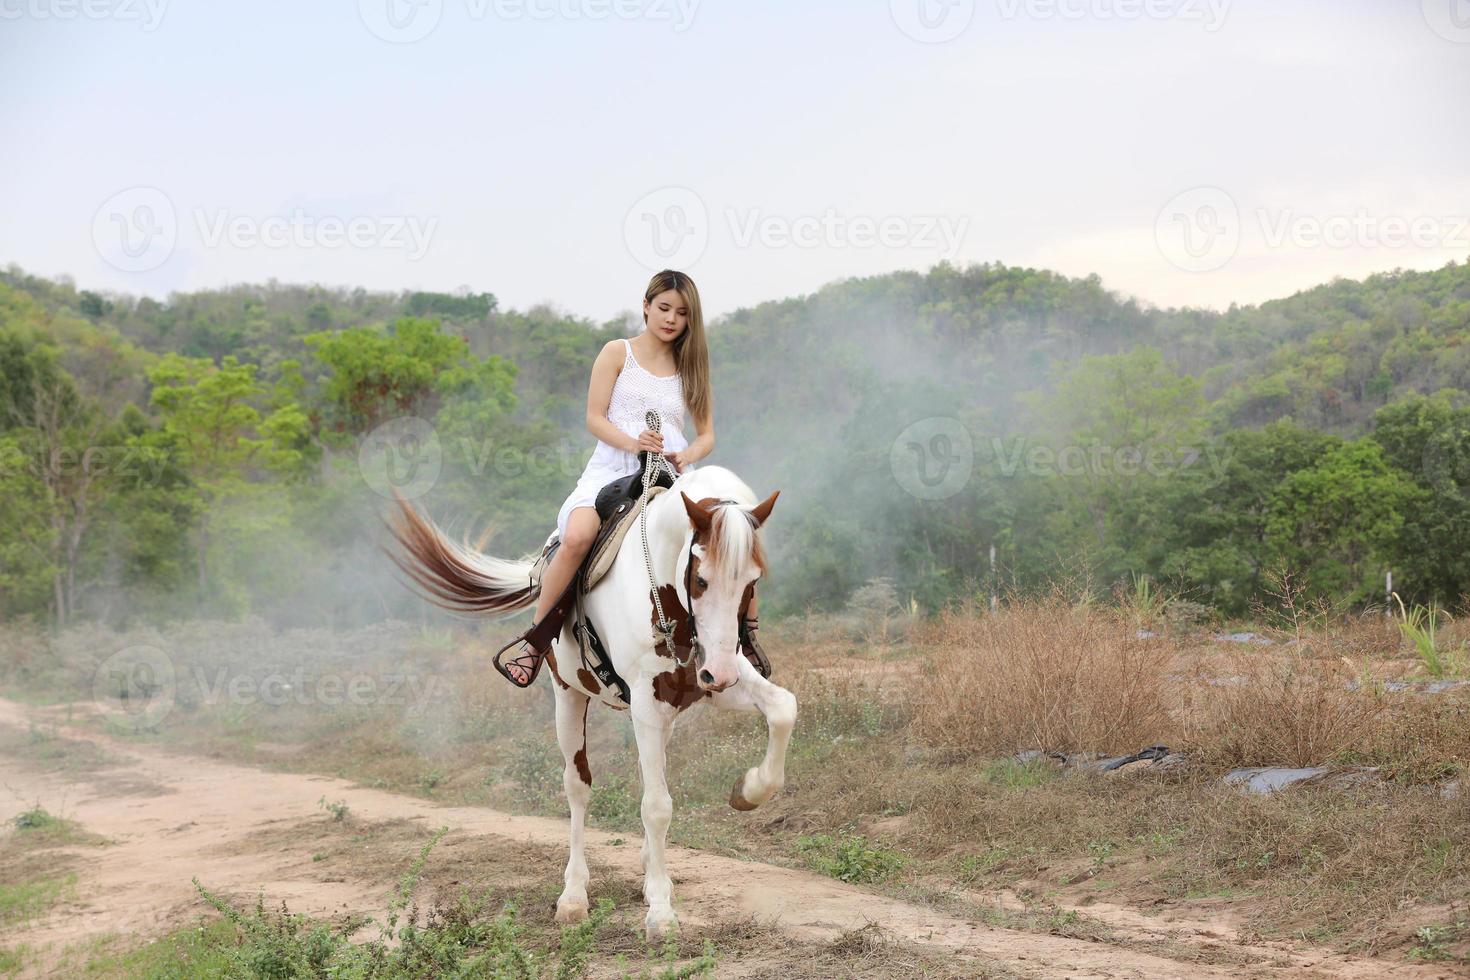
[704,441]
[599,396]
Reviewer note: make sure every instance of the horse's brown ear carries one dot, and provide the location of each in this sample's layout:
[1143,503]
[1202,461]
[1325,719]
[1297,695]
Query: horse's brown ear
[762,510]
[698,516]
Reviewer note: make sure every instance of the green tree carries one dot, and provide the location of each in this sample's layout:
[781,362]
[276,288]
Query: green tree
[1335,522]
[1123,425]
[1428,440]
[220,437]
[377,374]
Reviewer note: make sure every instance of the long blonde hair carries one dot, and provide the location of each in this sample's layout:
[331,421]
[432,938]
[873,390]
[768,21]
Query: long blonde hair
[691,352]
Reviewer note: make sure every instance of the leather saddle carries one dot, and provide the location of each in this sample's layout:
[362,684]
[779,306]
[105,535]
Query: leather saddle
[618,505]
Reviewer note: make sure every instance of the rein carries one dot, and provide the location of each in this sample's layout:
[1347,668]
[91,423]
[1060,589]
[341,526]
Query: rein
[666,625]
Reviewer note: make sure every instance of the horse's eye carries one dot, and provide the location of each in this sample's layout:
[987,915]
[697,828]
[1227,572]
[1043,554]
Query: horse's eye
[700,580]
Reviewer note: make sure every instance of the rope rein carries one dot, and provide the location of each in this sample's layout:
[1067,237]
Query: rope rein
[665,625]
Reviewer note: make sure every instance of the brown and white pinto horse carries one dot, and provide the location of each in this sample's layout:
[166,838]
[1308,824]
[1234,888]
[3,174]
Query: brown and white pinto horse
[707,555]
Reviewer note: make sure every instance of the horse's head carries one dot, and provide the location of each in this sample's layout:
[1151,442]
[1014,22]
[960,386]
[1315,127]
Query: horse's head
[725,560]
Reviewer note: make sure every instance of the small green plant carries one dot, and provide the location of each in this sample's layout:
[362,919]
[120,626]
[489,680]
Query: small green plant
[535,766]
[337,808]
[36,818]
[1145,602]
[973,867]
[1014,774]
[431,780]
[615,803]
[24,900]
[669,960]
[849,857]
[1432,940]
[1420,626]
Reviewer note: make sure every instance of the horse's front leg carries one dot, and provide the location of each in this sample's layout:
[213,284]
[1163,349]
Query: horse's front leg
[653,721]
[571,735]
[755,693]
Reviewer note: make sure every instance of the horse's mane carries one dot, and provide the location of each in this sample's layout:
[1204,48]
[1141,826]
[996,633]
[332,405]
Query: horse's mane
[734,540]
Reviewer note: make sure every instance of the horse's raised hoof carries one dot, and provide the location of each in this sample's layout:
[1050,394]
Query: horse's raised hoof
[737,796]
[659,925]
[570,911]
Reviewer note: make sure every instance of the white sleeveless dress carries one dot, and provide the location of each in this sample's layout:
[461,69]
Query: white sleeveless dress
[635,392]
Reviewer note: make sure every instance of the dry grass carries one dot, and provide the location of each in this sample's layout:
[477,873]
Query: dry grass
[1283,709]
[908,744]
[1041,672]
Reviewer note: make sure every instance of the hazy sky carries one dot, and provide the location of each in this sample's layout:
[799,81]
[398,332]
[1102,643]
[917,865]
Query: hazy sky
[1188,151]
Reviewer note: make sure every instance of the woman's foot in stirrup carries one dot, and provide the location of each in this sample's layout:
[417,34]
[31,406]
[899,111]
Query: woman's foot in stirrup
[522,668]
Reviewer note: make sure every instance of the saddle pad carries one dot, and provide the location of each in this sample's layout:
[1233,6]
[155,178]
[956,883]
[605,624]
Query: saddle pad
[610,537]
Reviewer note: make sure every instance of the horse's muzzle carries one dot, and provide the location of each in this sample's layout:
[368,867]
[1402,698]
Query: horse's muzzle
[707,682]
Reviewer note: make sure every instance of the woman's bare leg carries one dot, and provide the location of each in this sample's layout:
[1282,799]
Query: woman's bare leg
[582,525]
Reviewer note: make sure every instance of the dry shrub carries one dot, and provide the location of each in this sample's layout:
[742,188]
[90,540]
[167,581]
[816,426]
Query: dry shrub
[1423,738]
[1283,709]
[1040,672]
[1359,636]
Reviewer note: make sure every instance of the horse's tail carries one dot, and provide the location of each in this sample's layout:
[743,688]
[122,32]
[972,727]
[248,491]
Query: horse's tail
[457,576]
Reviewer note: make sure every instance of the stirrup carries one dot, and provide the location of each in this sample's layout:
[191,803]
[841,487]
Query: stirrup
[752,648]
[539,636]
[534,670]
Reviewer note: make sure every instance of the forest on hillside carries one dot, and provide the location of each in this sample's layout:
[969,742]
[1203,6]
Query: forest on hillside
[224,452]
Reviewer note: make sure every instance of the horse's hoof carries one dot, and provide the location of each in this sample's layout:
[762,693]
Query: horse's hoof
[737,796]
[659,927]
[570,912]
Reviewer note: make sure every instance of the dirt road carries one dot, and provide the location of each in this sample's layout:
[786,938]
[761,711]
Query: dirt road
[173,818]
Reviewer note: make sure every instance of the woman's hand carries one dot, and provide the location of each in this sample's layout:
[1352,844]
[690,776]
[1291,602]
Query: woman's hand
[676,457]
[651,441]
